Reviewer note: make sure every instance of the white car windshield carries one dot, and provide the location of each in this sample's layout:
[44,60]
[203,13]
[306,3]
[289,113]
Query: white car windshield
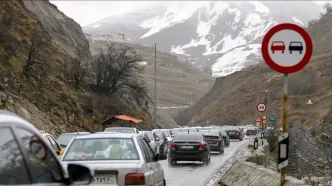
[101,149]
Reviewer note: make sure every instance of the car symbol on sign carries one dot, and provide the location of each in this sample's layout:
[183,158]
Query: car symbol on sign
[295,46]
[278,46]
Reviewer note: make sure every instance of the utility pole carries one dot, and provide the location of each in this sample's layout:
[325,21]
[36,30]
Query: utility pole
[155,87]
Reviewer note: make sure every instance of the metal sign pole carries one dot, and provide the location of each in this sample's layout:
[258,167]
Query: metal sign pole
[284,124]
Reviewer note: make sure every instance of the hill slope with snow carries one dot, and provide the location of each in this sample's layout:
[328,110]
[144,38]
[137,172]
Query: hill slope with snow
[218,37]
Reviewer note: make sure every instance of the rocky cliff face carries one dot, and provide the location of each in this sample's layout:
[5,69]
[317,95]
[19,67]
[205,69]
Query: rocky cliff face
[63,30]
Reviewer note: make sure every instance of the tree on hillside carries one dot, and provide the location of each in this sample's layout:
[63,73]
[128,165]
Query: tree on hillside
[117,70]
[36,56]
[77,69]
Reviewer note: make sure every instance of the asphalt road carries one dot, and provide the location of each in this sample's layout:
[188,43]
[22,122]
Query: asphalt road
[196,174]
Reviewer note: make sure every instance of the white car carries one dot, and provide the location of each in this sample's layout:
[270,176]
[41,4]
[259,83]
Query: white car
[117,159]
[153,140]
[167,132]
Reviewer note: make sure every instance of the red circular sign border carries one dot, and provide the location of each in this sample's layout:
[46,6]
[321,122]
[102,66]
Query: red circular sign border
[283,69]
[259,104]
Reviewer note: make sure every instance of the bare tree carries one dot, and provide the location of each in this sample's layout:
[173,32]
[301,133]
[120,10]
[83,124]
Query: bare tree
[117,69]
[77,70]
[36,53]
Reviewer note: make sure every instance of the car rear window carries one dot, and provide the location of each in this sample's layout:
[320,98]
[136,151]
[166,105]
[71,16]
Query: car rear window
[122,130]
[94,149]
[192,137]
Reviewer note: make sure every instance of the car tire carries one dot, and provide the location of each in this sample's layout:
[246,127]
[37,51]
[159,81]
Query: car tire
[206,161]
[170,162]
[240,139]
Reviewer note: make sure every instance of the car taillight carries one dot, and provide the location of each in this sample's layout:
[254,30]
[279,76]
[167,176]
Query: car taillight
[135,179]
[201,146]
[172,145]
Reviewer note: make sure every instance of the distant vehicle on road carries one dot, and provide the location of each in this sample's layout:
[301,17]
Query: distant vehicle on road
[177,130]
[167,132]
[122,130]
[234,132]
[189,146]
[214,139]
[227,140]
[163,143]
[117,159]
[278,46]
[251,131]
[59,150]
[295,46]
[193,129]
[65,138]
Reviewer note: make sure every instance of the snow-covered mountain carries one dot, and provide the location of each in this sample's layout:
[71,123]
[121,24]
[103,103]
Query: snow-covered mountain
[219,37]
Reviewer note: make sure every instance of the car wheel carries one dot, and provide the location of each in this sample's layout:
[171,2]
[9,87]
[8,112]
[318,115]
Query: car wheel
[170,161]
[240,139]
[206,161]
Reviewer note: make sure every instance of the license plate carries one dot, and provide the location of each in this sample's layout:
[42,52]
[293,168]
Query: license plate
[104,180]
[187,147]
[231,132]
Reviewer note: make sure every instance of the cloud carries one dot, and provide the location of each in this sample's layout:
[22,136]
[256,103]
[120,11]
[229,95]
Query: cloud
[87,12]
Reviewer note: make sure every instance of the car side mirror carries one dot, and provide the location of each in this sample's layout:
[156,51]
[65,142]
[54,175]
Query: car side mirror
[159,157]
[157,139]
[79,175]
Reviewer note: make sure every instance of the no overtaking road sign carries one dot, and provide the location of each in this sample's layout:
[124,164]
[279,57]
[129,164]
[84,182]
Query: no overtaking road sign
[287,48]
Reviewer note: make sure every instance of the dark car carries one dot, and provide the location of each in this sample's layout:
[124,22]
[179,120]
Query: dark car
[189,146]
[234,132]
[214,139]
[295,46]
[227,140]
[251,131]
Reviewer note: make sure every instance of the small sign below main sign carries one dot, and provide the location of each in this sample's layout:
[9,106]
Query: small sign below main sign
[272,118]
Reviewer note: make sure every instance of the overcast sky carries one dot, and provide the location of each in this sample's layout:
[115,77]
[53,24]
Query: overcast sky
[87,12]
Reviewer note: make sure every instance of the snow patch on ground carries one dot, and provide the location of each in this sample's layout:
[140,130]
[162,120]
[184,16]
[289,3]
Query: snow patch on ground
[298,21]
[234,60]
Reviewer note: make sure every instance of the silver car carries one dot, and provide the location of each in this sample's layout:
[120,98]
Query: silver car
[153,140]
[117,159]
